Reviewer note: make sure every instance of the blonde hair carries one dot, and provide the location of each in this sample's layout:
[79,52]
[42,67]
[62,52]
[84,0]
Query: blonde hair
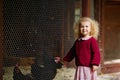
[94,27]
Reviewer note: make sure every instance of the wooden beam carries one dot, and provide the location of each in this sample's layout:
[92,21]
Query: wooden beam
[111,68]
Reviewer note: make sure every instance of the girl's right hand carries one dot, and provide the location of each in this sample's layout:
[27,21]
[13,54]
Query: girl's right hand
[65,63]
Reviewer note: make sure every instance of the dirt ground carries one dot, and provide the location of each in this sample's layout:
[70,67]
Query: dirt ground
[62,74]
[68,74]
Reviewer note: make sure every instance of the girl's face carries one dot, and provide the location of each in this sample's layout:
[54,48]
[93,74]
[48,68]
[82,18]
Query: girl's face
[85,28]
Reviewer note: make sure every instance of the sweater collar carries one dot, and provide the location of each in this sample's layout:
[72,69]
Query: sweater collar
[86,38]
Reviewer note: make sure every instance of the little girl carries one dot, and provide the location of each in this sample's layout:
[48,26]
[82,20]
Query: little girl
[85,50]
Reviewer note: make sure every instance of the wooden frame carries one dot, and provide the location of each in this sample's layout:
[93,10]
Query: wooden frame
[1,39]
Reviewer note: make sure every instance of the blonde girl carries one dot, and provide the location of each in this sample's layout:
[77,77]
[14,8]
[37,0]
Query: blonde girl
[85,49]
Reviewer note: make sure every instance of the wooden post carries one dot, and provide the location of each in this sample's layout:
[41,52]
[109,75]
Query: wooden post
[1,39]
[97,12]
[98,17]
[85,8]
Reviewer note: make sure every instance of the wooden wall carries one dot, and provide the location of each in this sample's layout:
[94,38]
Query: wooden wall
[111,37]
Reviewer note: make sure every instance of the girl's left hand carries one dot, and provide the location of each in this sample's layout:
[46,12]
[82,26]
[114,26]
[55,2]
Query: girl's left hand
[94,68]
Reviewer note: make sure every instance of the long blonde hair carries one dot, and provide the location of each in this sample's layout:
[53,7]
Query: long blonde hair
[94,27]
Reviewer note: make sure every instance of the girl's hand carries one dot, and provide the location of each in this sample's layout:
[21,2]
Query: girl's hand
[94,68]
[65,64]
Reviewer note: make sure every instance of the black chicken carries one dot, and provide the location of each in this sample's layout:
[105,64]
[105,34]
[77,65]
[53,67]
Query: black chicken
[48,70]
[18,75]
[45,72]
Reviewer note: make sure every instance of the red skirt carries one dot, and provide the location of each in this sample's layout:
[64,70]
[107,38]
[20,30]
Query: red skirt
[85,73]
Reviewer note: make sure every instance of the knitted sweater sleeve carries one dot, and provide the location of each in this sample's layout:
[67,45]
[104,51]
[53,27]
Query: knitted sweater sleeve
[95,53]
[70,55]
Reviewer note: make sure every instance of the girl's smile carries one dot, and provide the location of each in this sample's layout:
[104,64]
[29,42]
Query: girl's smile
[85,28]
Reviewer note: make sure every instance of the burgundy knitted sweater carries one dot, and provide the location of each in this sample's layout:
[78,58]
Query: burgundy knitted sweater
[85,52]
